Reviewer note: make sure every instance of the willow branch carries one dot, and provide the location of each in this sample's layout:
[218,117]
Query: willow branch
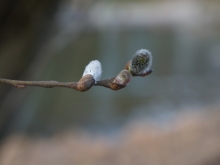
[105,83]
[84,84]
[139,65]
[45,84]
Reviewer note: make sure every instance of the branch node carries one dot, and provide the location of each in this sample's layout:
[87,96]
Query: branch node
[85,83]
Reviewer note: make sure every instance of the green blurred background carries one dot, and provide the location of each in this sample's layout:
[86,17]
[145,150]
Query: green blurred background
[169,117]
[55,40]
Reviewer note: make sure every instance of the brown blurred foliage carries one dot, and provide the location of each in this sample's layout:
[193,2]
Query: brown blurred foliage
[190,138]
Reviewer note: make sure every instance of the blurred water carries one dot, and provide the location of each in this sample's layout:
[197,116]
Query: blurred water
[180,79]
[186,74]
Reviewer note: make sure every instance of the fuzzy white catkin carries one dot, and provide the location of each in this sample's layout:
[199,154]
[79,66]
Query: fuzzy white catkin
[141,61]
[94,68]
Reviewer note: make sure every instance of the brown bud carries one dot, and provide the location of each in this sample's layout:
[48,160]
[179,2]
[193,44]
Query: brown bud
[121,81]
[85,83]
[127,65]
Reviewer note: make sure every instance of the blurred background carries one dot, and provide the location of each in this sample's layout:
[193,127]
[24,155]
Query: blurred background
[169,117]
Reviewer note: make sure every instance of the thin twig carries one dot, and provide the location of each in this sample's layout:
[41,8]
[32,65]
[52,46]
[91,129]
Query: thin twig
[51,84]
[45,84]
[105,83]
[139,65]
[84,84]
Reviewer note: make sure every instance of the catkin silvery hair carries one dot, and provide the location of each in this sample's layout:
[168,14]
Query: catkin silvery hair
[94,68]
[140,62]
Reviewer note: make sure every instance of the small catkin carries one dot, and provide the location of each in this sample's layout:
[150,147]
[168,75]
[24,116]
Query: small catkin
[141,62]
[94,68]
